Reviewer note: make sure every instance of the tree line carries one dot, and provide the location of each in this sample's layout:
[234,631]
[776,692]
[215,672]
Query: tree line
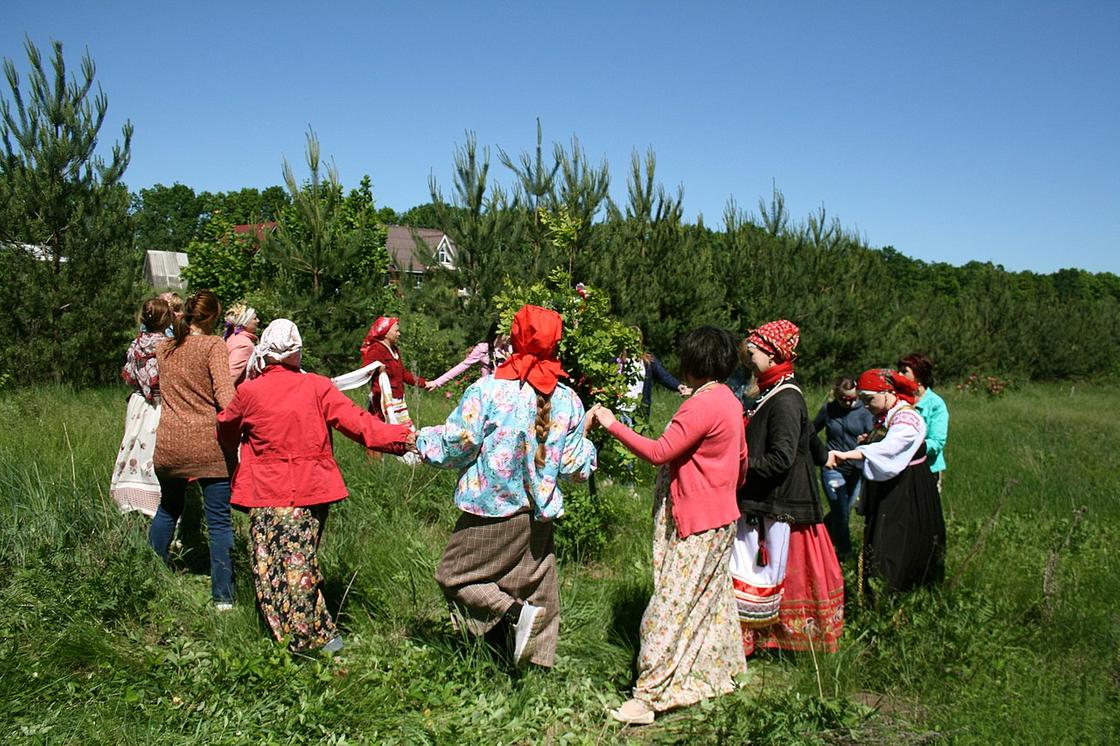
[72,240]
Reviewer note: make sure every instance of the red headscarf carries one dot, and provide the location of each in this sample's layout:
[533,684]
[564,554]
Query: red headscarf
[778,338]
[378,330]
[535,337]
[885,380]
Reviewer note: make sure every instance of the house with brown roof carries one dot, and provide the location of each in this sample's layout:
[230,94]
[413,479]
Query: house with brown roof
[413,252]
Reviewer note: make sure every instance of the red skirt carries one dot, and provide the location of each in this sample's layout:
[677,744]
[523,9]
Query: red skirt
[811,615]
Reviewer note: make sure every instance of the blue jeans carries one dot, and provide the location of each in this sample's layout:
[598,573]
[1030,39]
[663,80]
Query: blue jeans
[219,526]
[841,490]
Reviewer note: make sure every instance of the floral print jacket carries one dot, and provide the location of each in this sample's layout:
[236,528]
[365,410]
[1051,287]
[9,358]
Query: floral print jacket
[491,439]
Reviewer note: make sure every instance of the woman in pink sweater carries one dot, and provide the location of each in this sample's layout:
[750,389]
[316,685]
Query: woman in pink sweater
[690,648]
[241,338]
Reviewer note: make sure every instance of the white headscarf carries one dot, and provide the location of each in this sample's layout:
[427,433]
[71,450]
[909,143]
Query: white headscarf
[280,343]
[240,314]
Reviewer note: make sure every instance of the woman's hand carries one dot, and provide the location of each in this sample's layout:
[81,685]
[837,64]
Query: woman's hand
[410,443]
[430,386]
[604,416]
[835,458]
[589,419]
[684,391]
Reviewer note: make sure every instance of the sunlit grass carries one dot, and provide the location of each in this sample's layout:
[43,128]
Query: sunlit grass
[98,642]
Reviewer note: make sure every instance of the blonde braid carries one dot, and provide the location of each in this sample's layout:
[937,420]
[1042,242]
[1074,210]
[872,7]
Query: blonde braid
[544,420]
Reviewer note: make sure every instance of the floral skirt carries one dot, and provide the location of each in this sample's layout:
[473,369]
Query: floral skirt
[811,611]
[690,640]
[134,485]
[287,577]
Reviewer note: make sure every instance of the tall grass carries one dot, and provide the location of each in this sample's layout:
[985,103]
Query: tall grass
[99,642]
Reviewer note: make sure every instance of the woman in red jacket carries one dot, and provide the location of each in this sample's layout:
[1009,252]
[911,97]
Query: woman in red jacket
[288,477]
[380,345]
[690,648]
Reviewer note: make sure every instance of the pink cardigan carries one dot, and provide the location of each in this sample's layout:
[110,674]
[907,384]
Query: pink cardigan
[240,348]
[706,449]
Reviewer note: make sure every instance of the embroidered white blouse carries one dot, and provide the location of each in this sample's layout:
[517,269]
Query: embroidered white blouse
[889,457]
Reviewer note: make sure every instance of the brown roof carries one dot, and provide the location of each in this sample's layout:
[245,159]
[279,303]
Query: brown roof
[259,229]
[402,247]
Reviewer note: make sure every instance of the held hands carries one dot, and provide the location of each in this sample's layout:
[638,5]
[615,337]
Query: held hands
[430,386]
[835,458]
[601,415]
[410,443]
[684,391]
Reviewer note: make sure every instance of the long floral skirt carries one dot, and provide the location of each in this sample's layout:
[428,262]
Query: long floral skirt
[811,611]
[286,574]
[134,485]
[691,648]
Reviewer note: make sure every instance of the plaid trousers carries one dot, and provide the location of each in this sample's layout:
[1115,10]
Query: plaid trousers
[489,563]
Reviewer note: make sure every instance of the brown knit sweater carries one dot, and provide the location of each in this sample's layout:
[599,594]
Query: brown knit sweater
[195,385]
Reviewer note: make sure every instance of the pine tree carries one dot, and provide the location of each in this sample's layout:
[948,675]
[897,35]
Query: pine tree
[70,275]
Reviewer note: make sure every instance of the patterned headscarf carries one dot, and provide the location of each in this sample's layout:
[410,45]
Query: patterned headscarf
[778,338]
[885,380]
[535,337]
[280,343]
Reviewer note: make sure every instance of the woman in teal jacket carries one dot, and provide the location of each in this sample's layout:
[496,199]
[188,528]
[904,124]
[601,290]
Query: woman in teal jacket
[918,367]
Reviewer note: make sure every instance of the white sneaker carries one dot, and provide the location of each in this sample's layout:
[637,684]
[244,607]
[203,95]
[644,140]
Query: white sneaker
[528,627]
[223,606]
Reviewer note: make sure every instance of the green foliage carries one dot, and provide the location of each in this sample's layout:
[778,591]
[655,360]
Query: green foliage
[593,338]
[221,260]
[105,645]
[589,350]
[68,275]
[324,266]
[166,218]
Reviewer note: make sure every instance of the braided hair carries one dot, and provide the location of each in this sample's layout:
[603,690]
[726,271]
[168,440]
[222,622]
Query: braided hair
[544,422]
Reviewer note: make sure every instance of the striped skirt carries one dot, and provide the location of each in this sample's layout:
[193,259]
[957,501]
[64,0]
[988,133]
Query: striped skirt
[795,601]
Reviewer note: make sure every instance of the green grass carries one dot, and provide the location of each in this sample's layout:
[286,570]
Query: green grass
[100,643]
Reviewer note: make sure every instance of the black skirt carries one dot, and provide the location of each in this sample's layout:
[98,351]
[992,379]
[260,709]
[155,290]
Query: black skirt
[904,534]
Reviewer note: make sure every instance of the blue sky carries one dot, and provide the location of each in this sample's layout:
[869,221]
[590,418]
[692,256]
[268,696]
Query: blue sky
[951,131]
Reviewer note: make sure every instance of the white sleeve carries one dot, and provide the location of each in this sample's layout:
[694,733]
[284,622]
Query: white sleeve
[888,458]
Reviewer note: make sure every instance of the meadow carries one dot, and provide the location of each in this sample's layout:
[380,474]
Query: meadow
[100,643]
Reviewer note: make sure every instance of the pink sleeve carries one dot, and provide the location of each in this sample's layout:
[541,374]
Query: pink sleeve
[743,457]
[683,432]
[475,356]
[238,359]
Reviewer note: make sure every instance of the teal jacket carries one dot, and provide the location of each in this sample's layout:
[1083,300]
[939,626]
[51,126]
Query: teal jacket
[936,414]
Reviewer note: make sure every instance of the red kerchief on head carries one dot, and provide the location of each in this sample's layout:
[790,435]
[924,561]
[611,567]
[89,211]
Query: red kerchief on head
[535,337]
[382,326]
[880,380]
[778,338]
[378,330]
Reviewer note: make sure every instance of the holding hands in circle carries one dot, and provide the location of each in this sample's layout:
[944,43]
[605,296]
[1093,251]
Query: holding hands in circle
[835,458]
[601,415]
